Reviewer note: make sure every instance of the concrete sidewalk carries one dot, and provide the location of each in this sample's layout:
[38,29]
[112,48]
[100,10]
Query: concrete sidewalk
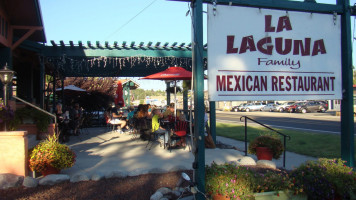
[100,151]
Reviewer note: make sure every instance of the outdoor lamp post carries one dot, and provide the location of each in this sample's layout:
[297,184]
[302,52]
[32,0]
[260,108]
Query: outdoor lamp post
[6,78]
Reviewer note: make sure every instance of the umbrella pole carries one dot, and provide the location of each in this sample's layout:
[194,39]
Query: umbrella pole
[175,100]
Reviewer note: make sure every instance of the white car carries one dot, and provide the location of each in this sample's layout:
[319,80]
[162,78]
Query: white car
[270,107]
[253,106]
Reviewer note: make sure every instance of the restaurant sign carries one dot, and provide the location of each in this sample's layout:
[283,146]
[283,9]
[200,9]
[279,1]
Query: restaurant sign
[265,54]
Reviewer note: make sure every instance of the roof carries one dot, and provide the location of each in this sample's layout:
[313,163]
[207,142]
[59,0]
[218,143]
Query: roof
[132,84]
[25,13]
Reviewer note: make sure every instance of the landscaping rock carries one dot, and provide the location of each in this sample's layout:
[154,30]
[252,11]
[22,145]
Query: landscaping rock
[137,172]
[117,174]
[156,196]
[266,163]
[245,160]
[54,179]
[97,176]
[10,180]
[30,182]
[79,177]
[157,171]
[164,190]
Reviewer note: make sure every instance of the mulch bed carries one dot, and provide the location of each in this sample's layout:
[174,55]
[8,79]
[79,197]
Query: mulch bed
[135,187]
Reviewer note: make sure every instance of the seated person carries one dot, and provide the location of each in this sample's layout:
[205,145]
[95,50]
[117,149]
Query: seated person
[131,113]
[156,126]
[169,113]
[116,117]
[143,112]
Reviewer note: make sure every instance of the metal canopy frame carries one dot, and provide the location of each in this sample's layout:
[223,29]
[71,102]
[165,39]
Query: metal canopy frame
[116,60]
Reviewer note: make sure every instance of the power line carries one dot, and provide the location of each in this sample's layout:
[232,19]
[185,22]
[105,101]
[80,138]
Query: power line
[130,19]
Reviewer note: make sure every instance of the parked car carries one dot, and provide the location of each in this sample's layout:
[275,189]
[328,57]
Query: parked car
[253,107]
[238,108]
[284,106]
[270,107]
[312,106]
[292,108]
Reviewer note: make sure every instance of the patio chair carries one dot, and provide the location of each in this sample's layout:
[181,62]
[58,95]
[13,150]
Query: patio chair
[155,138]
[180,132]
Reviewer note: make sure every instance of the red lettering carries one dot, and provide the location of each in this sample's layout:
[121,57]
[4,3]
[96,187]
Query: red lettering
[305,50]
[247,43]
[229,83]
[313,84]
[220,83]
[326,83]
[268,24]
[318,47]
[289,87]
[332,82]
[264,47]
[230,44]
[274,83]
[320,84]
[284,23]
[279,46]
[281,83]
[249,78]
[237,80]
[295,82]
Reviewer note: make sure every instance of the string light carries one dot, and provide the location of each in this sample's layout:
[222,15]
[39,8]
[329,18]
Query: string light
[69,65]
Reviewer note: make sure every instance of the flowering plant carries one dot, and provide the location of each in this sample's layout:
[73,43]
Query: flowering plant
[50,152]
[241,182]
[326,179]
[270,141]
[6,113]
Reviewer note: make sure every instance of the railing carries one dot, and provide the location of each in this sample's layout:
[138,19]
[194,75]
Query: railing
[40,109]
[284,136]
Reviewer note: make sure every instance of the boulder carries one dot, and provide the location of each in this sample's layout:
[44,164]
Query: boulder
[79,177]
[97,176]
[54,179]
[245,160]
[116,174]
[10,180]
[266,163]
[156,196]
[137,172]
[30,182]
[164,190]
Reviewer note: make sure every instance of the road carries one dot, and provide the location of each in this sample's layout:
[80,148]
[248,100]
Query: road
[315,122]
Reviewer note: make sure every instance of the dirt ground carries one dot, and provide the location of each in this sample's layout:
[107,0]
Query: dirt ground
[135,188]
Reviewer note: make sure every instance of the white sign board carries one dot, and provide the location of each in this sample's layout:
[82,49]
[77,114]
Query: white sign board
[264,54]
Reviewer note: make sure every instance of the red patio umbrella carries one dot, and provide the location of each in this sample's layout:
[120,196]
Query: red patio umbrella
[119,98]
[174,74]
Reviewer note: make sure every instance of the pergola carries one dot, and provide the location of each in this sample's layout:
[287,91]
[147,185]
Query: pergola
[116,60]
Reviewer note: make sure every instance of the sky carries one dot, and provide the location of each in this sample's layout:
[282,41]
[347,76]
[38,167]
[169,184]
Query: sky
[124,20]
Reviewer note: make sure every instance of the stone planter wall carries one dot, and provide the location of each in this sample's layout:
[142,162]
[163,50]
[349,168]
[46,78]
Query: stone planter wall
[32,129]
[13,152]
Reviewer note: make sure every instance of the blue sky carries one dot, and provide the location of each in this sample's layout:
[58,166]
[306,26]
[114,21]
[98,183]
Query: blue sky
[122,20]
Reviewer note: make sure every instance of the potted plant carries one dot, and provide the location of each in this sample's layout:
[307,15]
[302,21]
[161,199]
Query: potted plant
[51,155]
[228,181]
[326,179]
[266,144]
